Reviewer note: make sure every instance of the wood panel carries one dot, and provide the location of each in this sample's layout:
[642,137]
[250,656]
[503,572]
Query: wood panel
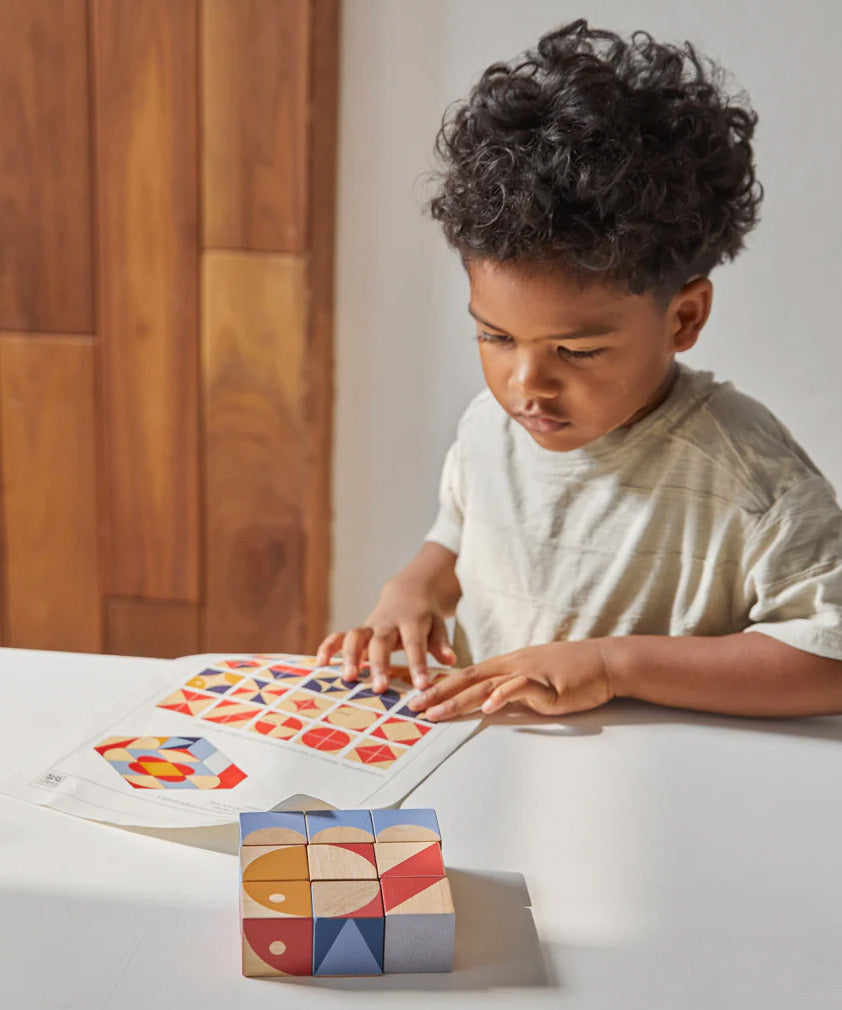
[47,434]
[254,330]
[158,628]
[324,92]
[45,185]
[145,64]
[255,69]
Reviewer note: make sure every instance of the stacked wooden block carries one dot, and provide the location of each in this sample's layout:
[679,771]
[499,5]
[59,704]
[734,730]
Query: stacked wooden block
[344,892]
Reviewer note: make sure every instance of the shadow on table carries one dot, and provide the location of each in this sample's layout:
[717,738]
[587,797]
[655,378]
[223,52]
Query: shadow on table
[626,712]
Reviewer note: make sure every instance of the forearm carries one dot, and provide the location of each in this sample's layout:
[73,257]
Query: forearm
[433,572]
[741,674]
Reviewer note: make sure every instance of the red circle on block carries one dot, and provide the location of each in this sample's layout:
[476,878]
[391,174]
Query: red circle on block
[325,738]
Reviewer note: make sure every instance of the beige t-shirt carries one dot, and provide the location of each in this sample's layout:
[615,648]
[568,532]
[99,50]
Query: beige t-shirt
[704,518]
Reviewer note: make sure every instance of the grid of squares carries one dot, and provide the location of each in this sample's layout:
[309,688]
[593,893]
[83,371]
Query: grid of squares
[287,698]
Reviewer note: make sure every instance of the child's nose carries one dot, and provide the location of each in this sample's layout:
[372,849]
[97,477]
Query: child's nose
[532,375]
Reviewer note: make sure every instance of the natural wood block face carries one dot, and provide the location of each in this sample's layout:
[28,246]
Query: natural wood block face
[255,68]
[48,469]
[274,862]
[277,947]
[405,826]
[254,336]
[274,827]
[409,859]
[276,899]
[417,896]
[346,899]
[325,826]
[342,861]
[46,268]
[145,86]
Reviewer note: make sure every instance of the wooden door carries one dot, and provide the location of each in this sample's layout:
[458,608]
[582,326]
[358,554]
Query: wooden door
[167,191]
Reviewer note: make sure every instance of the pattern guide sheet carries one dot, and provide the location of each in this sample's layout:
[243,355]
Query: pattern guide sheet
[230,733]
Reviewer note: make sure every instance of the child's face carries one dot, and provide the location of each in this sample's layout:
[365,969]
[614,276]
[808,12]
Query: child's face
[589,385]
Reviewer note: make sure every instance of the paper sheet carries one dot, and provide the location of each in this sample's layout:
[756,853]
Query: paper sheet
[217,734]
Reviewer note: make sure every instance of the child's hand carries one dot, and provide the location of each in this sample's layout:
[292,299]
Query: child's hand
[552,679]
[404,618]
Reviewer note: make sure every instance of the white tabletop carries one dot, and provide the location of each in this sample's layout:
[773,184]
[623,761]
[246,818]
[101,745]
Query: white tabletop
[627,858]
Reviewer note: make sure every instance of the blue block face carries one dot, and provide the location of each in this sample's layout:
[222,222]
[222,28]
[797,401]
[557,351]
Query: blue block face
[325,826]
[405,826]
[273,827]
[348,946]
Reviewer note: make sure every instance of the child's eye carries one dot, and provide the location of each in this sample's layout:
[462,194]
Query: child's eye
[565,352]
[492,338]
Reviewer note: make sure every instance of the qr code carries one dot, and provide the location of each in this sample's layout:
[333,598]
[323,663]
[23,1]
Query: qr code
[50,781]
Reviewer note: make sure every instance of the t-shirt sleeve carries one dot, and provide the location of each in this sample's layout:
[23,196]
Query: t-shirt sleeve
[793,570]
[447,528]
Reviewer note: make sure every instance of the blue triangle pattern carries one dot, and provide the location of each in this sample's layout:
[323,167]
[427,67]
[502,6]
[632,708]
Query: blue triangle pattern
[348,947]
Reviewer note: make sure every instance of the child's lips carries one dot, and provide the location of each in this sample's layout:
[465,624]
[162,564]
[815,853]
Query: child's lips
[541,422]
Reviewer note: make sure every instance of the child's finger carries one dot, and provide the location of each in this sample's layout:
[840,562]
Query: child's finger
[438,644]
[519,688]
[415,647]
[471,698]
[355,641]
[328,646]
[380,647]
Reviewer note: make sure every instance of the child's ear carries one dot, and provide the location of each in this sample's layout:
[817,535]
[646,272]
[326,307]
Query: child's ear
[689,312]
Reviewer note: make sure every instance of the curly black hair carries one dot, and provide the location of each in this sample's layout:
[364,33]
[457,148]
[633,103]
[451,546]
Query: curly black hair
[617,161]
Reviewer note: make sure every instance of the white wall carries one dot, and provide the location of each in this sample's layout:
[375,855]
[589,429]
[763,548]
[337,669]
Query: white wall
[406,363]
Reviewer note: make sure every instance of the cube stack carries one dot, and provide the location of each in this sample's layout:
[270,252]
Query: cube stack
[344,892]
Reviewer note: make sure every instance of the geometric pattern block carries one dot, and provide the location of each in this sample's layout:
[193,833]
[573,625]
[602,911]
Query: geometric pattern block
[342,861]
[274,862]
[332,684]
[408,712]
[416,895]
[405,826]
[375,753]
[232,713]
[408,859]
[261,692]
[416,943]
[279,725]
[187,702]
[163,762]
[273,827]
[380,701]
[277,946]
[401,731]
[276,899]
[348,946]
[352,718]
[324,738]
[347,899]
[325,826]
[214,680]
[285,674]
[303,703]
[238,664]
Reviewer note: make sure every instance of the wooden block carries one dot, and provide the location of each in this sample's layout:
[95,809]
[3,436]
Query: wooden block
[408,859]
[277,947]
[348,946]
[346,899]
[276,899]
[274,862]
[273,827]
[326,826]
[405,826]
[342,861]
[420,924]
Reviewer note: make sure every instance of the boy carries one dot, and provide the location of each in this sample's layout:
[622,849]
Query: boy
[611,522]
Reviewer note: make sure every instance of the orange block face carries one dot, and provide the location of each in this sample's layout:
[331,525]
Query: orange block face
[276,899]
[274,862]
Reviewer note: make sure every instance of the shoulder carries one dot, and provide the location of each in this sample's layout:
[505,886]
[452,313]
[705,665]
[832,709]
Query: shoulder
[739,440]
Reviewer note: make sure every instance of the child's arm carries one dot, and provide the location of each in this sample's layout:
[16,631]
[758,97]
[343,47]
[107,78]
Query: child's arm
[750,674]
[409,615]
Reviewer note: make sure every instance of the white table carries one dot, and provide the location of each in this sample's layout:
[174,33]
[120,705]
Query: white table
[672,861]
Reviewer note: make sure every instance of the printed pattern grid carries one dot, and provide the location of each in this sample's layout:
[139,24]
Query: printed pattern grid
[289,700]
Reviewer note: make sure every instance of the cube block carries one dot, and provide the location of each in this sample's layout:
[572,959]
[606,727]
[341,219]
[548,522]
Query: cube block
[325,826]
[342,861]
[408,859]
[405,826]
